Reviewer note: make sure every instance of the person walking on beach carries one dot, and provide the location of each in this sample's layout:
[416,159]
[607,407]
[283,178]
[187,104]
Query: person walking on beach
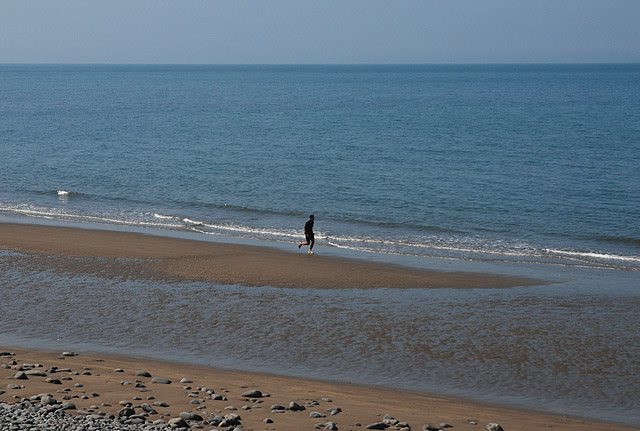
[308,234]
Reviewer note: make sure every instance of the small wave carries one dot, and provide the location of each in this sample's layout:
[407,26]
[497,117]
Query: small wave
[594,255]
[63,192]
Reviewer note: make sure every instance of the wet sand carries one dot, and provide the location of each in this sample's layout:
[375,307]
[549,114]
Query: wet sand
[237,264]
[97,383]
[94,380]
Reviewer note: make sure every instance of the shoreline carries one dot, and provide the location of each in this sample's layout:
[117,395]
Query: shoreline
[227,263]
[98,383]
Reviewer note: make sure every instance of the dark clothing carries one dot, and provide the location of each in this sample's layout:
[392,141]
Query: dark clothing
[308,234]
[308,228]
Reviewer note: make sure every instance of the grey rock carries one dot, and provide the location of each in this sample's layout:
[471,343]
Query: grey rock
[268,421]
[278,407]
[160,404]
[331,426]
[185,380]
[191,416]
[377,426]
[252,394]
[47,400]
[53,381]
[230,420]
[69,354]
[143,374]
[295,407]
[126,412]
[119,370]
[444,425]
[429,427]
[317,415]
[147,408]
[37,373]
[13,386]
[493,427]
[20,375]
[178,423]
[161,380]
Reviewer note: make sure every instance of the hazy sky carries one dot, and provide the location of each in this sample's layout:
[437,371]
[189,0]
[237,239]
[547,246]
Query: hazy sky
[319,31]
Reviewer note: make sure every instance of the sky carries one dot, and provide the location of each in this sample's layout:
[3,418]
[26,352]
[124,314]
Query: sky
[319,31]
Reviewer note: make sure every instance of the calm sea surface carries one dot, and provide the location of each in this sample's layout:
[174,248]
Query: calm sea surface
[523,163]
[528,170]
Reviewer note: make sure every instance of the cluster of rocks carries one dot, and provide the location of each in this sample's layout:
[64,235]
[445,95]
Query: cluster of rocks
[45,412]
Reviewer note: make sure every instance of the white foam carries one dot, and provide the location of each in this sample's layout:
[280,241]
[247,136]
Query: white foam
[592,255]
[63,192]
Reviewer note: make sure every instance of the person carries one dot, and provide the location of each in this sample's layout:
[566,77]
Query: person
[308,234]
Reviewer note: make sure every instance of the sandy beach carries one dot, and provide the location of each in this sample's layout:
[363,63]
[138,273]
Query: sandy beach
[235,264]
[104,384]
[98,383]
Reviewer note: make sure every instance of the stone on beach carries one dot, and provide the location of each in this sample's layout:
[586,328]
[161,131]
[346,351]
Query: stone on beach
[252,394]
[377,426]
[161,380]
[143,374]
[493,427]
[295,407]
[191,416]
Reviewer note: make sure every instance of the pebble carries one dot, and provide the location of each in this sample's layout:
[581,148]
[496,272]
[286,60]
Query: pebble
[493,427]
[28,415]
[377,426]
[161,380]
[143,374]
[252,394]
[295,407]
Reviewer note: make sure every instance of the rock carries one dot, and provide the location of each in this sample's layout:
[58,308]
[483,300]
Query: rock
[326,400]
[444,425]
[160,404]
[161,380]
[295,407]
[178,423]
[331,426]
[53,381]
[230,420]
[268,421]
[334,411]
[20,375]
[13,386]
[191,416]
[47,400]
[126,412]
[143,374]
[185,380]
[147,408]
[118,370]
[493,427]
[67,405]
[429,427]
[377,426]
[317,415]
[69,354]
[278,407]
[37,373]
[252,394]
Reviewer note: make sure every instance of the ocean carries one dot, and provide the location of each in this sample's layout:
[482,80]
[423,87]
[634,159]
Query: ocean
[523,169]
[529,163]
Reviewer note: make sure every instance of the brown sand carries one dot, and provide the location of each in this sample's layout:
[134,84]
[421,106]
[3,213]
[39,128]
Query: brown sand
[363,405]
[238,264]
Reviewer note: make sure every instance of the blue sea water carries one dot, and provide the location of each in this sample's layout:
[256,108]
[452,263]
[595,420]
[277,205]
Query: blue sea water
[513,162]
[524,169]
